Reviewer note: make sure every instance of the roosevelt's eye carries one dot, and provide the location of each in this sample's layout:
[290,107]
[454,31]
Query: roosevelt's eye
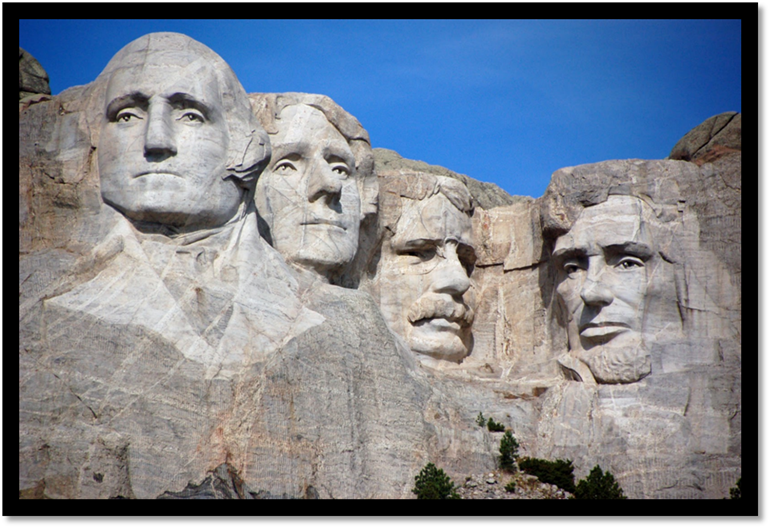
[628,263]
[191,116]
[420,254]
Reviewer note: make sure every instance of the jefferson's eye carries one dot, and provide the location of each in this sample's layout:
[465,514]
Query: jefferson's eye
[284,167]
[628,263]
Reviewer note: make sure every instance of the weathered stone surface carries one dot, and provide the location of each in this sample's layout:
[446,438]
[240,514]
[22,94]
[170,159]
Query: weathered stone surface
[710,140]
[174,345]
[160,339]
[485,195]
[33,79]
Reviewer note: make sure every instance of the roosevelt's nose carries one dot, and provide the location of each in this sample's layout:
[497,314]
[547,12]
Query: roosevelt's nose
[323,182]
[594,290]
[159,141]
[450,275]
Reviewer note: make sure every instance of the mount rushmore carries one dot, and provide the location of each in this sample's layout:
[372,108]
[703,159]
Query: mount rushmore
[213,279]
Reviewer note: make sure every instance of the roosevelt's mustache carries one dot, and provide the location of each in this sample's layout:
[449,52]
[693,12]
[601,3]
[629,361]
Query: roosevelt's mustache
[443,306]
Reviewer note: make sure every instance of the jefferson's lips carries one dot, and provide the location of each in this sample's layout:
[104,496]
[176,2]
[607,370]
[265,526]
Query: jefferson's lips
[603,329]
[157,173]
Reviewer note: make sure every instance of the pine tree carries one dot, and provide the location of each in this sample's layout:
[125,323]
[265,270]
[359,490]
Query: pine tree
[509,450]
[433,483]
[599,485]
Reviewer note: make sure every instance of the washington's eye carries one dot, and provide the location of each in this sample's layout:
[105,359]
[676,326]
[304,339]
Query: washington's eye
[627,263]
[192,116]
[125,116]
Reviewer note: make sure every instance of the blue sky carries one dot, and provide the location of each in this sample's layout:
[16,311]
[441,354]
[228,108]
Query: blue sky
[505,101]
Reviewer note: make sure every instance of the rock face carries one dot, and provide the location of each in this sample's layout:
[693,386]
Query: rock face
[212,306]
[32,77]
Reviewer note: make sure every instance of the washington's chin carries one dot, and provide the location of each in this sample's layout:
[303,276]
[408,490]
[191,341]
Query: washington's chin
[439,338]
[164,208]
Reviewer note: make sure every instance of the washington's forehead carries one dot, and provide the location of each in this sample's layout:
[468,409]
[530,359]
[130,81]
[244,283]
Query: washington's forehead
[196,78]
[434,218]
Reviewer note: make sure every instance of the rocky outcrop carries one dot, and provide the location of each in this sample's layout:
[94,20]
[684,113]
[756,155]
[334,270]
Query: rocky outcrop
[33,79]
[712,139]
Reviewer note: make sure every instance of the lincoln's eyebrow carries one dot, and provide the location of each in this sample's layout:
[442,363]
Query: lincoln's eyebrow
[636,249]
[134,99]
[569,252]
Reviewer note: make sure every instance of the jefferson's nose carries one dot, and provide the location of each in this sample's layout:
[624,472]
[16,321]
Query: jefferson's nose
[159,135]
[450,276]
[322,182]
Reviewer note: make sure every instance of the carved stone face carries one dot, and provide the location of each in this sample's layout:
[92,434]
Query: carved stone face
[424,276]
[309,194]
[164,143]
[605,265]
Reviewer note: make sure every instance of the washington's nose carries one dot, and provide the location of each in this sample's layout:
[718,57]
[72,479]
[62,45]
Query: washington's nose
[450,276]
[323,183]
[159,136]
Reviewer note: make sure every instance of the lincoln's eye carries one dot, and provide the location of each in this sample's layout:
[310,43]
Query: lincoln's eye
[572,267]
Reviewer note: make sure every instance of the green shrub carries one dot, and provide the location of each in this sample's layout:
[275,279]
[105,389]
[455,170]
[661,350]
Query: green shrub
[433,483]
[599,485]
[494,426]
[735,493]
[559,473]
[481,420]
[510,487]
[509,450]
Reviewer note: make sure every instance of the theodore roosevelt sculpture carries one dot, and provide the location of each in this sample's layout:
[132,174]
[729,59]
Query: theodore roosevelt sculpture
[427,256]
[318,187]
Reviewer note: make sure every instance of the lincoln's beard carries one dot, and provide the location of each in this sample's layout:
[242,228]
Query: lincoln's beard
[622,364]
